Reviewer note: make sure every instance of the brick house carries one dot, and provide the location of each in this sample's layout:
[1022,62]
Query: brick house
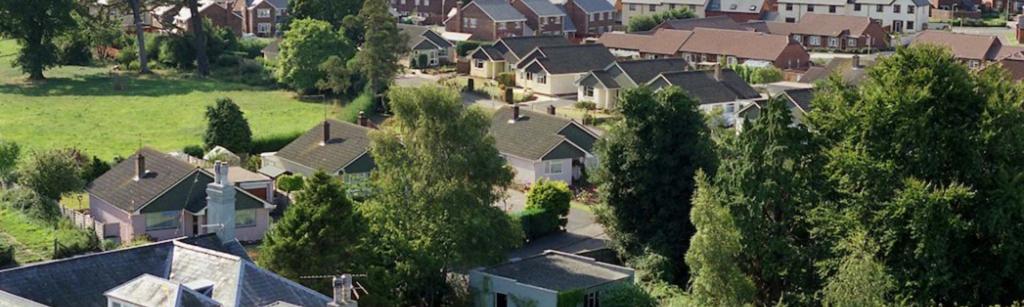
[710,45]
[976,51]
[432,11]
[900,16]
[542,17]
[262,18]
[219,14]
[487,20]
[833,32]
[591,17]
[739,10]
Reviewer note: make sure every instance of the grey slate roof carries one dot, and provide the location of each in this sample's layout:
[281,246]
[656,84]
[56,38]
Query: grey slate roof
[149,290]
[499,10]
[543,8]
[421,37]
[521,45]
[801,97]
[348,142]
[533,135]
[703,86]
[82,280]
[561,271]
[572,58]
[594,6]
[488,52]
[642,71]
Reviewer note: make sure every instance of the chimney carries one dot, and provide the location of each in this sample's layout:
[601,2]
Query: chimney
[551,109]
[363,121]
[458,16]
[515,114]
[327,133]
[343,292]
[856,61]
[220,203]
[140,166]
[718,72]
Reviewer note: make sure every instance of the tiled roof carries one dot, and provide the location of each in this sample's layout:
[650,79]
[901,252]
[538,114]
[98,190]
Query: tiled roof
[498,10]
[488,52]
[703,86]
[531,136]
[642,71]
[561,271]
[842,66]
[420,35]
[521,45]
[82,280]
[801,97]
[572,58]
[755,45]
[149,290]
[966,46]
[119,188]
[594,6]
[660,41]
[822,24]
[543,8]
[713,22]
[567,23]
[348,142]
[1015,66]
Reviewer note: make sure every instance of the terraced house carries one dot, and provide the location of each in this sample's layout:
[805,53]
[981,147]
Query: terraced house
[899,16]
[833,32]
[631,8]
[976,51]
[705,45]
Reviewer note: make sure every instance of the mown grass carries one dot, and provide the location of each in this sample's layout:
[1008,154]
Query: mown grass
[80,107]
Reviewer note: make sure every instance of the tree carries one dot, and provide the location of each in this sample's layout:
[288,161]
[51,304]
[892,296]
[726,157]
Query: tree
[320,233]
[35,24]
[648,162]
[198,39]
[52,173]
[290,183]
[337,75]
[9,153]
[308,44]
[140,36]
[227,127]
[551,196]
[861,279]
[383,44]
[438,174]
[331,11]
[716,278]
[649,22]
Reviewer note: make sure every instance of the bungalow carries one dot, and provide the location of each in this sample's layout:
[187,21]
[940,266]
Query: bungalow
[661,43]
[797,100]
[602,86]
[554,70]
[542,280]
[424,41]
[156,195]
[1014,65]
[711,45]
[974,50]
[716,90]
[487,20]
[542,17]
[591,17]
[833,32]
[337,148]
[490,61]
[538,145]
[264,18]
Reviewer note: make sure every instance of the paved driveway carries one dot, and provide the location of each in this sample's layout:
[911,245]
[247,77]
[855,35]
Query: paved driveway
[583,233]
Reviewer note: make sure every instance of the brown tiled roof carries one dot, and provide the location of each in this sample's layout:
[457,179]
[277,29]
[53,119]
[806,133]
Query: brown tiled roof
[819,24]
[1014,65]
[742,44]
[966,46]
[713,22]
[661,41]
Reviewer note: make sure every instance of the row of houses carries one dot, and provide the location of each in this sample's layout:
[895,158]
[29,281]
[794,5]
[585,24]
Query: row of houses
[490,20]
[264,18]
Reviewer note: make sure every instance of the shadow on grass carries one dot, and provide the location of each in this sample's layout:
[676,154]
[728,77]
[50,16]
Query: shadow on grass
[122,85]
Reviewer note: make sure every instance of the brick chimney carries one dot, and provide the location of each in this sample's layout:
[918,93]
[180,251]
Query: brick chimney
[140,167]
[220,203]
[343,292]
[515,114]
[327,133]
[458,16]
[551,109]
[363,121]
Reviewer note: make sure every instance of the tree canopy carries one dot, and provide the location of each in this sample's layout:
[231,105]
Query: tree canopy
[305,47]
[52,173]
[383,44]
[331,11]
[227,127]
[35,25]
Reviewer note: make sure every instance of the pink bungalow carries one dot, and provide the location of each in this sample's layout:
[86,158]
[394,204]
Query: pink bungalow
[154,194]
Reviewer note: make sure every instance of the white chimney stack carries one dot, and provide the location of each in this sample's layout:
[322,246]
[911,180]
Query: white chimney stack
[220,203]
[343,292]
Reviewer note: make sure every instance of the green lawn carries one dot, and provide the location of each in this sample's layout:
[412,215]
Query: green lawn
[79,106]
[33,240]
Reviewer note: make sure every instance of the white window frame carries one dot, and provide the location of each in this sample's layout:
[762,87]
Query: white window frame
[262,13]
[588,91]
[798,38]
[550,169]
[851,43]
[263,27]
[479,64]
[833,42]
[814,40]
[174,216]
[542,78]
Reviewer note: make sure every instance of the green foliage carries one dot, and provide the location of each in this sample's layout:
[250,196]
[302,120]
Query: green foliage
[648,160]
[51,173]
[464,47]
[383,44]
[861,279]
[537,222]
[331,11]
[363,103]
[227,127]
[31,204]
[290,183]
[757,75]
[252,47]
[551,196]
[337,75]
[176,51]
[322,209]
[716,278]
[6,255]
[94,169]
[648,22]
[272,143]
[570,298]
[35,24]
[506,79]
[195,151]
[585,105]
[9,153]
[421,61]
[627,295]
[421,232]
[76,241]
[308,44]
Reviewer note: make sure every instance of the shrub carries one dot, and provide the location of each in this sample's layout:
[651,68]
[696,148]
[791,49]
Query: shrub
[506,79]
[71,241]
[553,197]
[421,61]
[272,143]
[6,255]
[765,75]
[463,48]
[31,204]
[253,163]
[537,222]
[94,169]
[648,22]
[585,105]
[363,103]
[52,173]
[252,47]
[290,183]
[177,52]
[228,60]
[195,151]
[627,295]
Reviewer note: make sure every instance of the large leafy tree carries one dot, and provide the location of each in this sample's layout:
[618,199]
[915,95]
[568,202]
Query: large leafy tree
[9,153]
[716,277]
[35,24]
[926,157]
[646,177]
[320,233]
[331,11]
[377,58]
[305,47]
[227,127]
[438,174]
[52,173]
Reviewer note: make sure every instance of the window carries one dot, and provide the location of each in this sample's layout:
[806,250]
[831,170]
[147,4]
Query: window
[163,220]
[653,7]
[591,300]
[542,78]
[553,167]
[831,8]
[501,25]
[789,6]
[910,25]
[851,43]
[910,9]
[896,8]
[263,27]
[500,300]
[856,7]
[879,8]
[263,13]
[798,38]
[814,40]
[833,42]
[607,16]
[479,64]
[973,64]
[810,7]
[593,17]
[730,107]
[529,76]
[632,7]
[790,20]
[245,218]
[671,6]
[588,91]
[543,21]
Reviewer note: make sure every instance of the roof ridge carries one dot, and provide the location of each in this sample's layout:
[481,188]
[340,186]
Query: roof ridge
[84,256]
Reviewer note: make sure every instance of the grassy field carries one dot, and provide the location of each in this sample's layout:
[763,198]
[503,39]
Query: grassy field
[32,240]
[79,106]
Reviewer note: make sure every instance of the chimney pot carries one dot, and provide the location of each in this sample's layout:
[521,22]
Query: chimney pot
[551,109]
[718,72]
[140,167]
[343,291]
[363,121]
[327,133]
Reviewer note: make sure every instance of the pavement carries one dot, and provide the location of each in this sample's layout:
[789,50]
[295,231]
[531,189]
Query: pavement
[583,232]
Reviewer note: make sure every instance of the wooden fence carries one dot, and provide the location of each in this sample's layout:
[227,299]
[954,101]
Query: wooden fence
[84,221]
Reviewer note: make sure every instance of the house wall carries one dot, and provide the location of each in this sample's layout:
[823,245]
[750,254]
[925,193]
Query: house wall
[525,172]
[561,84]
[730,109]
[431,9]
[481,281]
[221,17]
[793,56]
[552,24]
[586,24]
[603,97]
[490,70]
[103,212]
[887,18]
[631,8]
[184,228]
[256,232]
[874,35]
[485,28]
[254,20]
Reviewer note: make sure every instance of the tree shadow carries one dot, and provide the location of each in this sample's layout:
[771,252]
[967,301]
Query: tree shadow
[122,85]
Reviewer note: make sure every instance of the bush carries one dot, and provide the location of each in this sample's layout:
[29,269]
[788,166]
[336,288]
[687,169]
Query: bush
[177,52]
[72,241]
[195,151]
[94,169]
[252,47]
[585,105]
[537,222]
[6,256]
[272,143]
[364,103]
[648,22]
[627,295]
[551,196]
[228,60]
[31,204]
[421,61]
[290,183]
[506,79]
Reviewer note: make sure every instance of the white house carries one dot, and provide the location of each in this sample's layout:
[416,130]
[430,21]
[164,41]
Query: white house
[901,16]
[719,89]
[424,41]
[554,70]
[602,86]
[542,145]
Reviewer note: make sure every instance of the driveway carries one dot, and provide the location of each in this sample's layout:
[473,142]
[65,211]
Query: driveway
[583,232]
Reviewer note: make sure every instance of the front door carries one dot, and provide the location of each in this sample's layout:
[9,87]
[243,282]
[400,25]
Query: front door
[195,225]
[897,26]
